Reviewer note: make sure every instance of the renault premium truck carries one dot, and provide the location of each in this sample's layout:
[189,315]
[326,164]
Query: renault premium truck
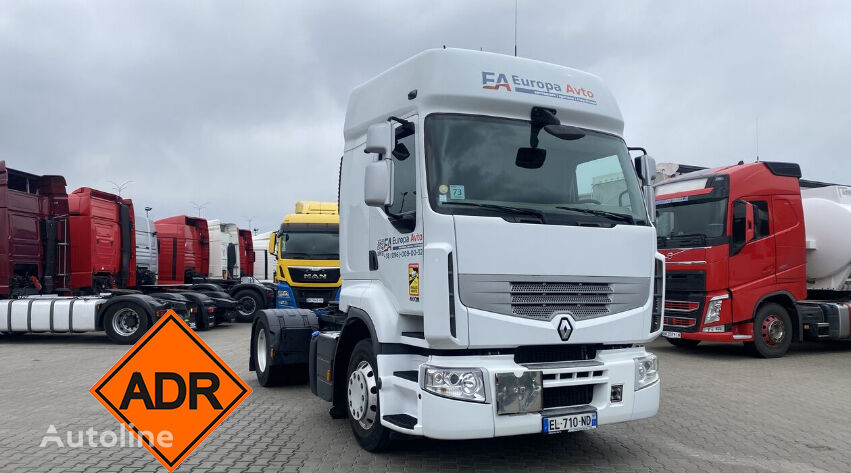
[306,247]
[753,258]
[487,289]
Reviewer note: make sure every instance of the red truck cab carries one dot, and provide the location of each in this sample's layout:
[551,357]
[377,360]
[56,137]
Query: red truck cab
[246,252]
[735,252]
[33,210]
[184,251]
[103,247]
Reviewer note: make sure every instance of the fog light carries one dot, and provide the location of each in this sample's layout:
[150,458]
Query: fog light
[617,393]
[519,394]
[715,329]
[646,370]
[466,384]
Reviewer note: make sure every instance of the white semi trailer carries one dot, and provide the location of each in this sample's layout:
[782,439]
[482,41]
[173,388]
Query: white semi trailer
[483,293]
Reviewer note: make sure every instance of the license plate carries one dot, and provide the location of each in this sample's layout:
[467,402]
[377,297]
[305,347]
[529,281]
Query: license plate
[315,300]
[668,334]
[570,423]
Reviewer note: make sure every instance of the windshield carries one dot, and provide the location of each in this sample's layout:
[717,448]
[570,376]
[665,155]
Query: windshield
[475,168]
[690,223]
[310,245]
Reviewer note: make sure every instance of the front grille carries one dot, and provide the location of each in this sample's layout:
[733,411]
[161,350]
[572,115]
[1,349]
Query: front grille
[681,306]
[553,353]
[314,275]
[679,321]
[541,300]
[301,296]
[565,396]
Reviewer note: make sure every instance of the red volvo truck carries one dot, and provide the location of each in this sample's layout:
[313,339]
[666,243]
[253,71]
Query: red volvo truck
[40,240]
[751,258]
[184,258]
[246,253]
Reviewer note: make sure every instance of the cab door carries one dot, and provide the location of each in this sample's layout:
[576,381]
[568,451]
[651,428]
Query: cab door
[396,234]
[752,254]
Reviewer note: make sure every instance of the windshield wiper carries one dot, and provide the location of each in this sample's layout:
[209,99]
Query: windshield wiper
[701,236]
[600,213]
[504,208]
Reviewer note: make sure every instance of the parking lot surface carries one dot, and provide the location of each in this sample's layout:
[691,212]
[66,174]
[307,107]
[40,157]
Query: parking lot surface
[721,411]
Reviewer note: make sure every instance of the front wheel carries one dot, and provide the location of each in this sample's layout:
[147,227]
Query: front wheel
[683,342]
[772,332]
[362,402]
[125,323]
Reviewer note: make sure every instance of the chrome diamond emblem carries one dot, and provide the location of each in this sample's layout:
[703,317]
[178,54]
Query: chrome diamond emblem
[564,328]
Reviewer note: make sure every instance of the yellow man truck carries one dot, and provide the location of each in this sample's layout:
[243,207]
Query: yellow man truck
[308,252]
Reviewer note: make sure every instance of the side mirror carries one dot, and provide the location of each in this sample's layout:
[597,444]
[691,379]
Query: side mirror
[378,183]
[379,138]
[645,167]
[273,242]
[743,226]
[750,231]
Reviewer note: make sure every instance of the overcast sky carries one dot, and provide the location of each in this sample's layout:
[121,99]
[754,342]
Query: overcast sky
[240,104]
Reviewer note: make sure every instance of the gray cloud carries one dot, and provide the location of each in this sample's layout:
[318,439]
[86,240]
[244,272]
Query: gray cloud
[241,103]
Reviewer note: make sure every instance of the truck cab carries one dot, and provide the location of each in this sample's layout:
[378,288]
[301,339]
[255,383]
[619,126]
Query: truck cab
[734,241]
[499,264]
[306,247]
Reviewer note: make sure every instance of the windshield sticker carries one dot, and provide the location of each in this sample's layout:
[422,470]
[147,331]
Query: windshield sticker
[456,192]
[403,246]
[525,85]
[675,199]
[443,188]
[414,282]
[441,198]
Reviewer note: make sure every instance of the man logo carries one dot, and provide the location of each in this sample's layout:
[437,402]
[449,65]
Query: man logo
[564,329]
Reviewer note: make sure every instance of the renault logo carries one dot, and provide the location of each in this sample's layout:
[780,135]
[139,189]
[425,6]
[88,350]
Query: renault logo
[564,329]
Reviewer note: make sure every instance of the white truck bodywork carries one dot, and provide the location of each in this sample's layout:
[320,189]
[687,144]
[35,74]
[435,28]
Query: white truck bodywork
[264,263]
[224,238]
[478,251]
[827,219]
[146,245]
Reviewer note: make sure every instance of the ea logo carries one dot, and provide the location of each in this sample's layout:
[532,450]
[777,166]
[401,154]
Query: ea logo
[564,329]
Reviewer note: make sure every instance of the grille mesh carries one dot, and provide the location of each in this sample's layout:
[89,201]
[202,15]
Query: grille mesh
[540,300]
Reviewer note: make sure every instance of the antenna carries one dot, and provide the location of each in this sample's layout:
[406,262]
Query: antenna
[515,28]
[757,139]
[119,187]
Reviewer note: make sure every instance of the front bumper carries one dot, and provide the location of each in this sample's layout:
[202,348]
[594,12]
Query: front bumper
[444,418]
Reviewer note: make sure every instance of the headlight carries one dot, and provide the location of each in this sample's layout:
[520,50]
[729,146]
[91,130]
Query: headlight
[646,370]
[713,310]
[283,294]
[466,384]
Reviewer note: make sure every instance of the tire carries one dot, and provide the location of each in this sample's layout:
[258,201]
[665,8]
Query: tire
[126,322]
[251,300]
[772,329]
[683,342]
[268,374]
[363,406]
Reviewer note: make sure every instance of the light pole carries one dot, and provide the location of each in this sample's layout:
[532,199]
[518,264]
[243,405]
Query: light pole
[199,207]
[147,213]
[120,187]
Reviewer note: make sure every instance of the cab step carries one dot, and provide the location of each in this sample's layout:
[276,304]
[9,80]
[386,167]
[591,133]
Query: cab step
[403,421]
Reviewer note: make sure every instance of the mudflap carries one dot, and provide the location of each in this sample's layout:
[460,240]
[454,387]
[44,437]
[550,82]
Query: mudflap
[290,331]
[323,347]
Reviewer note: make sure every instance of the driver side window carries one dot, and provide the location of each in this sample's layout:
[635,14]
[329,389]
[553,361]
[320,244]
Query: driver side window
[402,212]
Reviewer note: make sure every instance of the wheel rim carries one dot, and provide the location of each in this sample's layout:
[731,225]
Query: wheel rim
[773,330]
[126,322]
[363,395]
[246,303]
[261,350]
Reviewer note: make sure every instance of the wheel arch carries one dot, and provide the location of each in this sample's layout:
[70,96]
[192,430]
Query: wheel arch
[787,301]
[357,326]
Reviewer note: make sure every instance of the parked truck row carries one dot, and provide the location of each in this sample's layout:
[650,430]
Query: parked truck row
[83,261]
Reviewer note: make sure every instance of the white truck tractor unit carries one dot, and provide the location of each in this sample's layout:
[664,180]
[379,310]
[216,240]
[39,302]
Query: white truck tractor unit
[146,251]
[224,250]
[264,263]
[488,289]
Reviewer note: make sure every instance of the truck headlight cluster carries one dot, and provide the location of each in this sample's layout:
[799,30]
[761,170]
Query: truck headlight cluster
[283,294]
[713,310]
[646,370]
[466,384]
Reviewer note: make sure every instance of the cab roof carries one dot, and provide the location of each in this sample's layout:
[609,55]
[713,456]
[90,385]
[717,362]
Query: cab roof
[474,82]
